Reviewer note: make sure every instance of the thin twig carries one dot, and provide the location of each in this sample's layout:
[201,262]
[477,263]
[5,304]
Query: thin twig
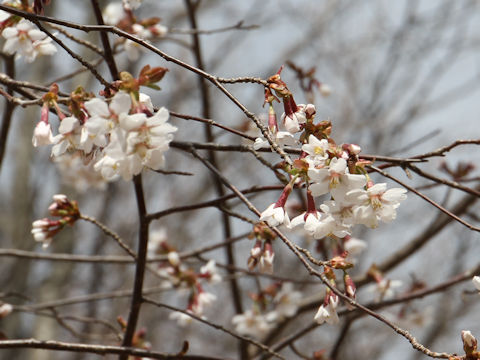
[215,326]
[426,198]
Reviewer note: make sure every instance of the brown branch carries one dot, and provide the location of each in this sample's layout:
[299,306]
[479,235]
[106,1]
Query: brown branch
[73,54]
[8,109]
[95,349]
[210,203]
[111,259]
[136,301]
[213,123]
[441,151]
[426,198]
[212,157]
[215,326]
[85,43]
[238,26]
[107,53]
[438,180]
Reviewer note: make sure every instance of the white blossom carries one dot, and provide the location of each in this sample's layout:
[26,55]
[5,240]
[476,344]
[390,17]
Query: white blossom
[282,138]
[42,135]
[203,300]
[334,178]
[74,172]
[251,323]
[316,150]
[376,203]
[266,262]
[328,313]
[26,40]
[310,221]
[329,226]
[113,13]
[181,318]
[210,271]
[69,137]
[155,240]
[275,215]
[385,289]
[287,301]
[173,258]
[355,246]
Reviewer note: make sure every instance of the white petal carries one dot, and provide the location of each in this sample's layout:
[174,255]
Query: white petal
[121,103]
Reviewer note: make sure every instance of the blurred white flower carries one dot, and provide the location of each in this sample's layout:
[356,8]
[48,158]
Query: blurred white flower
[113,13]
[181,318]
[287,300]
[251,323]
[210,272]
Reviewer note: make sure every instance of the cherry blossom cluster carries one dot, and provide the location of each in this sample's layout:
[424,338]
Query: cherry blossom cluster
[121,134]
[178,275]
[44,229]
[326,169]
[257,321]
[22,37]
[335,174]
[120,14]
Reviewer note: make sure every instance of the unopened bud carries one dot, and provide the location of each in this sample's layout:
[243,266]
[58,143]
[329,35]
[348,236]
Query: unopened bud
[339,262]
[350,288]
[469,342]
[173,258]
[310,110]
[5,309]
[352,149]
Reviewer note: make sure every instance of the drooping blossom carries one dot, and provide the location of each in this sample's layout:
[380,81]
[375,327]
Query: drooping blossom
[328,312]
[42,135]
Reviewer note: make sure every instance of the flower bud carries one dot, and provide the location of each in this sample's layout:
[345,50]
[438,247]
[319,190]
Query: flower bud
[173,258]
[469,342]
[5,309]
